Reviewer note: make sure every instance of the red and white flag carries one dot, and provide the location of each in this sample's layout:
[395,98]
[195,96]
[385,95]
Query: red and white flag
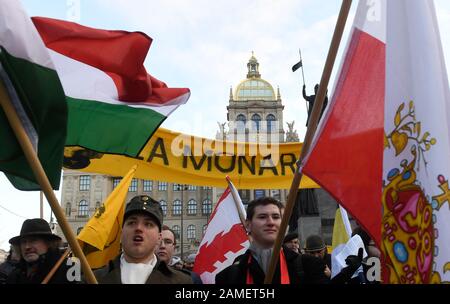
[224,239]
[382,148]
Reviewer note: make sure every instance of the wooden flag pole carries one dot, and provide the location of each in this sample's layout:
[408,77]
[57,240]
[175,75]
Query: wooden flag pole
[50,275]
[312,126]
[43,181]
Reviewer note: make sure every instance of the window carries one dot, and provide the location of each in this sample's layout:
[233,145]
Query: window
[191,232]
[83,209]
[271,123]
[177,230]
[148,185]
[256,122]
[204,229]
[176,207]
[260,193]
[85,182]
[207,188]
[240,123]
[162,186]
[192,188]
[245,196]
[276,194]
[79,230]
[192,207]
[206,207]
[68,209]
[133,185]
[163,205]
[116,181]
[97,206]
[179,187]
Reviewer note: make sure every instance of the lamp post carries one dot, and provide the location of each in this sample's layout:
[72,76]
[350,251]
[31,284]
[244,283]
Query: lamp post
[182,188]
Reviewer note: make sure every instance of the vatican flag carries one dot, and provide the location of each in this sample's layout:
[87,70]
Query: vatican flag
[100,238]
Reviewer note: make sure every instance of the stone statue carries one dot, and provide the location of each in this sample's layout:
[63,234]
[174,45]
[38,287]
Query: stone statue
[291,134]
[221,134]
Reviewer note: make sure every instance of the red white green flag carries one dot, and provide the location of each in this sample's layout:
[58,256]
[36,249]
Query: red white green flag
[114,104]
[382,149]
[35,91]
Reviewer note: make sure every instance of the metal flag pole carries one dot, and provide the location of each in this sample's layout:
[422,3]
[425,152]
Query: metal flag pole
[303,75]
[301,60]
[43,181]
[315,115]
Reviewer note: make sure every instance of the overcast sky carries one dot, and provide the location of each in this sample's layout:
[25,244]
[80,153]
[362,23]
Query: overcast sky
[205,45]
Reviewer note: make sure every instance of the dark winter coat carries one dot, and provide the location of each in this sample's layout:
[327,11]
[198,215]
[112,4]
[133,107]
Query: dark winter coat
[46,263]
[161,274]
[302,269]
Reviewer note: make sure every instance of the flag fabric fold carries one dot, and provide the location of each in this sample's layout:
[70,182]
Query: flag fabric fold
[115,106]
[342,231]
[34,88]
[225,237]
[100,237]
[388,126]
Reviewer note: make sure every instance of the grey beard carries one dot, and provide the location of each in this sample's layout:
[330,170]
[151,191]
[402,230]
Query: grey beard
[261,255]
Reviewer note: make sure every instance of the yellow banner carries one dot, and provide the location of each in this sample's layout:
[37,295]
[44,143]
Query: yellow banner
[185,159]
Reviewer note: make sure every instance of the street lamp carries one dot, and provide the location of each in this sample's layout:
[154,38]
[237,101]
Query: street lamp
[182,188]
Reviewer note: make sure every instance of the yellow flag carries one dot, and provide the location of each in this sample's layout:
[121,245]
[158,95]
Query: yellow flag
[100,238]
[341,229]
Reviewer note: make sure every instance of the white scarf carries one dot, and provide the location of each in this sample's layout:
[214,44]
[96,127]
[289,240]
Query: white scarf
[136,273]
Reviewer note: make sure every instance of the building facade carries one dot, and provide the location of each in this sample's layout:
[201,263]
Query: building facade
[186,208]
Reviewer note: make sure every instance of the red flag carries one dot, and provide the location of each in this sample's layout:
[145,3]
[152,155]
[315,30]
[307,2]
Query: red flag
[346,157]
[224,239]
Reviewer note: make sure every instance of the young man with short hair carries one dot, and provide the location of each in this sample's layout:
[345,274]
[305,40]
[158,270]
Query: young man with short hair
[141,234]
[263,223]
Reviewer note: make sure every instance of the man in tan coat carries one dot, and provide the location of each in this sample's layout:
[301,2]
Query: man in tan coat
[141,234]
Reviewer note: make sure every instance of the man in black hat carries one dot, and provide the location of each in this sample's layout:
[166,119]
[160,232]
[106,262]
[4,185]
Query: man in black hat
[315,246]
[39,251]
[141,235]
[291,241]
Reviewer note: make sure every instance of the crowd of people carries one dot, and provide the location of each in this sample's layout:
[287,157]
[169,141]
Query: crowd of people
[148,246]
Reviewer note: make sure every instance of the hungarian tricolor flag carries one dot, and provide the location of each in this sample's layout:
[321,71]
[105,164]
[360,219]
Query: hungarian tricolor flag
[225,237]
[383,147]
[32,84]
[115,106]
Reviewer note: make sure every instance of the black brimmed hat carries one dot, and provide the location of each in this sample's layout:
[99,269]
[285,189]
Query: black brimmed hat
[314,243]
[34,228]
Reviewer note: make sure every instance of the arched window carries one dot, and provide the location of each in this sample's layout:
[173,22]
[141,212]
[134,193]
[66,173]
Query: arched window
[176,207]
[256,122]
[206,207]
[191,232]
[192,207]
[83,209]
[163,205]
[240,123]
[271,123]
[68,209]
[176,230]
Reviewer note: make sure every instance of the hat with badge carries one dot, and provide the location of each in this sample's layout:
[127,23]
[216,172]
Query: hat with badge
[146,205]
